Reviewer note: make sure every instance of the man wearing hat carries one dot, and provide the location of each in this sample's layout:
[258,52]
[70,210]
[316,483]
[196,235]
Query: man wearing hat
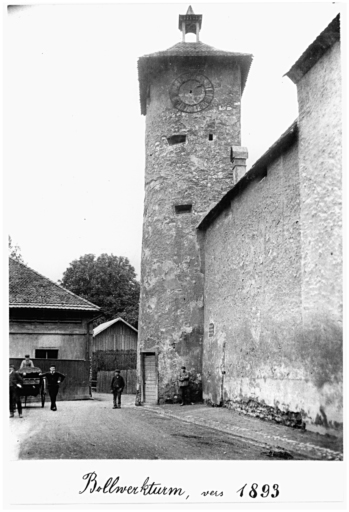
[117,387]
[54,379]
[16,382]
[184,385]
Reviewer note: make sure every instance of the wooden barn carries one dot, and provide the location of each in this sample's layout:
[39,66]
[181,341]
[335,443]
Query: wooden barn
[53,326]
[114,346]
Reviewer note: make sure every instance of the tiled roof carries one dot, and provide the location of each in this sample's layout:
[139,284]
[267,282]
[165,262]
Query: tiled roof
[29,289]
[193,49]
[149,64]
[100,328]
[315,51]
[282,144]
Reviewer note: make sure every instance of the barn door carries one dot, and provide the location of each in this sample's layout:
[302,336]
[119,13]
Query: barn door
[150,387]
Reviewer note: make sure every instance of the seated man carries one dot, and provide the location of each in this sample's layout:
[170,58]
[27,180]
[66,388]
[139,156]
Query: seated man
[26,363]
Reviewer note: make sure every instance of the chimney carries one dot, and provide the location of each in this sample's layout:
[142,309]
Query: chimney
[239,155]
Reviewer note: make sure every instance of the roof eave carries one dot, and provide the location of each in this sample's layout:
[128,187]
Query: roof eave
[24,305]
[110,323]
[315,51]
[89,305]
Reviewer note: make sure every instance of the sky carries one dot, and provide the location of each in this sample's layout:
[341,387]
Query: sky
[73,132]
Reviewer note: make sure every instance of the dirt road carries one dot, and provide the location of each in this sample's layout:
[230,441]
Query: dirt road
[92,429]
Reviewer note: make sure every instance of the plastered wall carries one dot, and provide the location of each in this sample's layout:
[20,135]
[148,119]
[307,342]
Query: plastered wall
[320,123]
[253,291]
[273,275]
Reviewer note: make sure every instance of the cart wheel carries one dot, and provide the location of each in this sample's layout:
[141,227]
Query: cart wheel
[43,400]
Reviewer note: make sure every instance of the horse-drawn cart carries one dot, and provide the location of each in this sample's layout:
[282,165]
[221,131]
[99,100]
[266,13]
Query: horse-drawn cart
[33,384]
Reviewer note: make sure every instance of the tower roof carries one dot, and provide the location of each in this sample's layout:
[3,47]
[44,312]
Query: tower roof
[189,21]
[150,65]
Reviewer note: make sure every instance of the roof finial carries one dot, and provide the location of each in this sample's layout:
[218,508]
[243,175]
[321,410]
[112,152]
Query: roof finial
[190,23]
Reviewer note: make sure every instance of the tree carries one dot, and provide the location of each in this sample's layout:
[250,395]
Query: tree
[109,282]
[14,251]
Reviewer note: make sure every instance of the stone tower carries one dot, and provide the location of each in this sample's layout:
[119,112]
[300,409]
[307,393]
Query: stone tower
[191,96]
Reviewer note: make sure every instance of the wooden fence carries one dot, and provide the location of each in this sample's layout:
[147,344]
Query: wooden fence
[76,385]
[104,380]
[111,359]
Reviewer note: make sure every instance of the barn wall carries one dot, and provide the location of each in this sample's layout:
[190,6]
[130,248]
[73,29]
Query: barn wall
[70,338]
[117,337]
[76,385]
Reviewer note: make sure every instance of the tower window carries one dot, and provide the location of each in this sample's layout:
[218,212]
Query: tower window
[210,136]
[183,208]
[176,139]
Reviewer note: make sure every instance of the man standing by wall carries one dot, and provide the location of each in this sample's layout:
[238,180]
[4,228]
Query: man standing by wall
[54,379]
[184,386]
[16,382]
[117,387]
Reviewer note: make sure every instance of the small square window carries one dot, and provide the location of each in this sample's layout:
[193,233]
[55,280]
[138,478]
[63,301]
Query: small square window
[210,136]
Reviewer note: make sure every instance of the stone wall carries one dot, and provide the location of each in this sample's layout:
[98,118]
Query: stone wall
[195,172]
[273,274]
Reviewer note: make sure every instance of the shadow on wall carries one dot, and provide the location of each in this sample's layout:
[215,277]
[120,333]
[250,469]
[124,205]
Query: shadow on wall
[316,348]
[321,348]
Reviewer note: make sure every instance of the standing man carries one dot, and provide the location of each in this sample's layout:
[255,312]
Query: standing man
[184,386]
[16,382]
[117,387]
[53,381]
[26,363]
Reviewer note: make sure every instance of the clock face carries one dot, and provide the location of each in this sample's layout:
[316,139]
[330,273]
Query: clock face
[191,92]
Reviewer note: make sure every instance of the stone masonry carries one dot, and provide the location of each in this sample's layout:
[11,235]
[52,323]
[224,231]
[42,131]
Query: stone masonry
[188,168]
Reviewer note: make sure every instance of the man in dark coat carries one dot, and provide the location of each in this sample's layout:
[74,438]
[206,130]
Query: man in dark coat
[16,382]
[117,387]
[184,391]
[54,379]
